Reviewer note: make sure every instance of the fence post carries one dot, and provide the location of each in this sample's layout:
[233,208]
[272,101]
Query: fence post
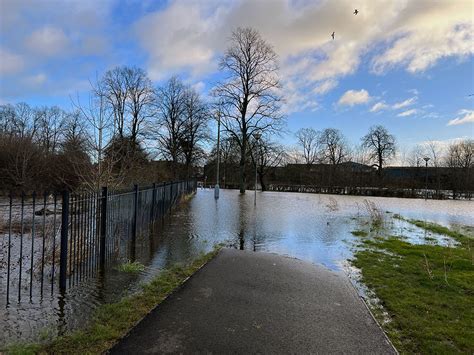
[64,237]
[103,226]
[135,221]
[171,196]
[153,202]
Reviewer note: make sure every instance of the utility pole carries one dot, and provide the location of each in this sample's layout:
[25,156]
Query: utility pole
[216,188]
[257,139]
[426,159]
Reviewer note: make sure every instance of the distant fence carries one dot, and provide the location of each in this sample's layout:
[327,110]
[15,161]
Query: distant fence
[373,191]
[63,238]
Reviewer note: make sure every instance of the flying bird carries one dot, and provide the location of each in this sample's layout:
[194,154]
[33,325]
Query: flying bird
[356,12]
[333,35]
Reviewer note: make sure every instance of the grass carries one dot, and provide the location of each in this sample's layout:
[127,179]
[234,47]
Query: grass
[427,291]
[113,321]
[360,233]
[131,268]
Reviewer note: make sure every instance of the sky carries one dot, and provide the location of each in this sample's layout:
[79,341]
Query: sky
[407,65]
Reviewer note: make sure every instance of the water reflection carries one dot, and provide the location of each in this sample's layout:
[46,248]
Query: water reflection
[311,227]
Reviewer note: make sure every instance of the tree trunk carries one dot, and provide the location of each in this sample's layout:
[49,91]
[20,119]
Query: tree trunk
[262,181]
[242,168]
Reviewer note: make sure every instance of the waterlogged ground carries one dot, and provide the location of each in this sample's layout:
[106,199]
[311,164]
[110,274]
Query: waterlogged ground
[312,227]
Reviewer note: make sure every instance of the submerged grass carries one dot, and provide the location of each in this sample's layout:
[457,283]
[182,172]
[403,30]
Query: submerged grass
[427,291]
[113,321]
[360,233]
[131,268]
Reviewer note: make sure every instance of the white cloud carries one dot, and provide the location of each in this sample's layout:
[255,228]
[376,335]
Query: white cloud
[465,116]
[379,106]
[427,32]
[405,103]
[324,87]
[407,113]
[10,63]
[190,36]
[35,80]
[354,97]
[47,41]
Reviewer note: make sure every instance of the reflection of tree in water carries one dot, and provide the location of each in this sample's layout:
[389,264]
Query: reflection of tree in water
[242,239]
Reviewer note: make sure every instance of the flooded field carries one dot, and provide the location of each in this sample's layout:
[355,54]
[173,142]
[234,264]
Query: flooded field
[312,227]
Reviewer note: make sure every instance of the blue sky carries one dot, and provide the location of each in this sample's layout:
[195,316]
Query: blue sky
[404,64]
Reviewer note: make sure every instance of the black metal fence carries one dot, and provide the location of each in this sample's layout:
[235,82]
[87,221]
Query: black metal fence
[56,240]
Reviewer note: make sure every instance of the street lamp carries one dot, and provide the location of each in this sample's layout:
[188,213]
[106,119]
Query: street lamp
[216,188]
[426,159]
[257,139]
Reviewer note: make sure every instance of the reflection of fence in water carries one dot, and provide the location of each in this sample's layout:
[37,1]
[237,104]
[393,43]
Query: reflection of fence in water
[70,237]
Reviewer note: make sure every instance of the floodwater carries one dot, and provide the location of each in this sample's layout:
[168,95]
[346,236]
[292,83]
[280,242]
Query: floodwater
[312,227]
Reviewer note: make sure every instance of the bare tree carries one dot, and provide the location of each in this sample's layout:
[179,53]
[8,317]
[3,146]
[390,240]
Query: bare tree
[51,123]
[249,95]
[113,87]
[141,97]
[381,145]
[416,155]
[171,123]
[268,155]
[460,158]
[308,140]
[334,148]
[99,121]
[195,129]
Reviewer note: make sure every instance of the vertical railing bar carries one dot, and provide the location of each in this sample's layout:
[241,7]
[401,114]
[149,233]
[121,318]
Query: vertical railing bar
[44,232]
[32,245]
[72,240]
[54,244]
[103,229]
[82,238]
[64,237]
[9,247]
[21,244]
[90,236]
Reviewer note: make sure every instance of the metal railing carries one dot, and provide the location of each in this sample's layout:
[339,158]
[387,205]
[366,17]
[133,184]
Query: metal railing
[59,239]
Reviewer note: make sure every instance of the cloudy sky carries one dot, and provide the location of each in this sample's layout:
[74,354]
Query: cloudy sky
[407,65]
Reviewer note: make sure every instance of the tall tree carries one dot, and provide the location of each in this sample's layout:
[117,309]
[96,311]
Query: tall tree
[267,155]
[381,146]
[334,149]
[140,99]
[113,87]
[249,95]
[171,119]
[195,129]
[308,140]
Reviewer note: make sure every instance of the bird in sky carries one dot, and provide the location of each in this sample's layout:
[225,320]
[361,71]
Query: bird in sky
[333,35]
[356,12]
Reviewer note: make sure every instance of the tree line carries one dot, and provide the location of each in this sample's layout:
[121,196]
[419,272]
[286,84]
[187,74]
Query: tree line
[128,130]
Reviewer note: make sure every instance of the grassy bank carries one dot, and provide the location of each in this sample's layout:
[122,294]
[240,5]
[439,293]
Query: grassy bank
[427,290]
[113,321]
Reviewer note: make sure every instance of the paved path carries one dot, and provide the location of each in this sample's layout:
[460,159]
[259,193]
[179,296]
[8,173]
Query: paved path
[245,302]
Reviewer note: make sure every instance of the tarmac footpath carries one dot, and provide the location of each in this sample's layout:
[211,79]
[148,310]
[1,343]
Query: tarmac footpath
[245,302]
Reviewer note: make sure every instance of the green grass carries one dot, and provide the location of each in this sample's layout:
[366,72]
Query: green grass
[427,290]
[360,233]
[113,321]
[131,268]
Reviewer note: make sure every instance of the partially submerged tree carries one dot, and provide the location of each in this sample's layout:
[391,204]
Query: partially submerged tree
[268,155]
[249,94]
[381,146]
